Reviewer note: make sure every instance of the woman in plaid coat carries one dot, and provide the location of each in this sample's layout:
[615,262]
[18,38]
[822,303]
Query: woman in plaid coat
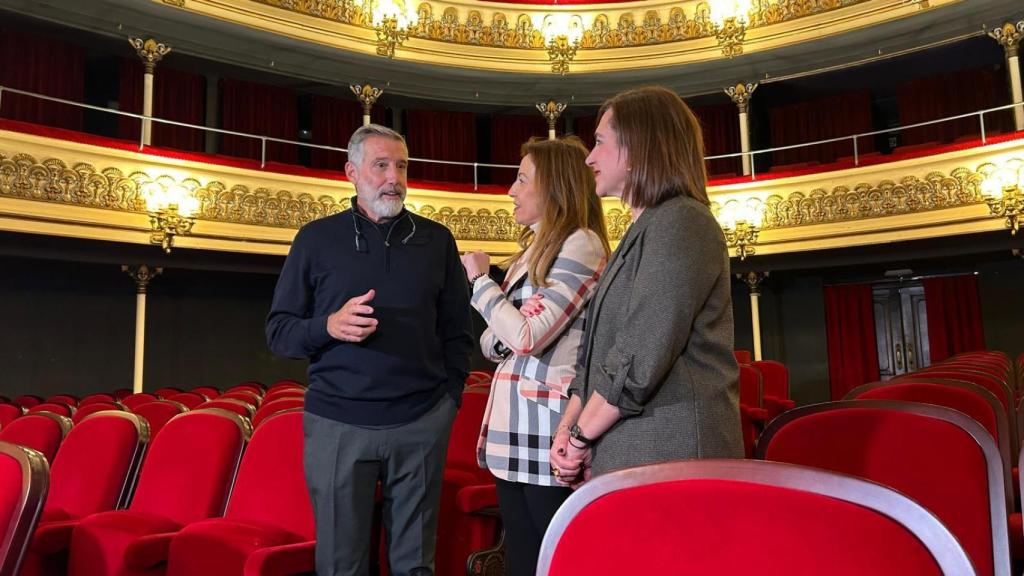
[564,249]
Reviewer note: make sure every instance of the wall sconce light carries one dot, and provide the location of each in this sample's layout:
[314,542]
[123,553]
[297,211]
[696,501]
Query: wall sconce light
[1003,191]
[729,20]
[741,223]
[171,208]
[562,36]
[391,20]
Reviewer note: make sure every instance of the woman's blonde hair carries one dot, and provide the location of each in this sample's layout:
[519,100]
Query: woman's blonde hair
[664,144]
[568,202]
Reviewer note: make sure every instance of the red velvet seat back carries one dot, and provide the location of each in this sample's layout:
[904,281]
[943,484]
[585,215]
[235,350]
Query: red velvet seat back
[465,432]
[53,407]
[990,383]
[208,391]
[8,413]
[253,387]
[24,479]
[271,487]
[41,432]
[166,392]
[133,401]
[774,378]
[101,397]
[27,400]
[281,393]
[246,396]
[703,522]
[751,388]
[63,399]
[231,405]
[286,384]
[937,456]
[190,465]
[280,405]
[191,400]
[90,409]
[96,465]
[157,413]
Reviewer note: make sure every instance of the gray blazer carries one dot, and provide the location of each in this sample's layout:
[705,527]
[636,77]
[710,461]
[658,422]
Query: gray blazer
[659,342]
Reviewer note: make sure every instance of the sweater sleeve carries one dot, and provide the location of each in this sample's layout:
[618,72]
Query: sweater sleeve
[454,322]
[292,330]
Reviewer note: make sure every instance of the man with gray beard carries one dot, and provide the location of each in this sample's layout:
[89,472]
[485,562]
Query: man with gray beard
[376,298]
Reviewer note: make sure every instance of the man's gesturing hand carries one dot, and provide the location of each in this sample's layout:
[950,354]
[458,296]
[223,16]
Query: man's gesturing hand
[352,323]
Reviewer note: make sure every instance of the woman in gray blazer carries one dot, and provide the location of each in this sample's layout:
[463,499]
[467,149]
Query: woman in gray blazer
[656,377]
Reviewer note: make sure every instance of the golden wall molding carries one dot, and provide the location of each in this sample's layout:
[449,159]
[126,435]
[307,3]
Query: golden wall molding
[509,37]
[65,188]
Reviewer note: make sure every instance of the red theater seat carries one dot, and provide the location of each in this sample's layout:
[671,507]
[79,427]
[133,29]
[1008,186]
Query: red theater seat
[280,393]
[744,517]
[42,431]
[158,412]
[93,408]
[24,480]
[191,400]
[208,391]
[94,471]
[166,392]
[53,407]
[280,405]
[9,413]
[775,386]
[239,407]
[101,397]
[27,400]
[268,527]
[185,478]
[64,399]
[133,401]
[939,457]
[247,396]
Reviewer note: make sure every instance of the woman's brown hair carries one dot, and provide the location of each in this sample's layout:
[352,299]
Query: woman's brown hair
[665,147]
[569,202]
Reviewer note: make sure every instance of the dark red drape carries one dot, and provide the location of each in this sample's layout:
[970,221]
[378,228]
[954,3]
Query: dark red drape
[821,119]
[441,135]
[721,128]
[954,316]
[177,95]
[960,92]
[508,133]
[334,121]
[584,126]
[43,66]
[261,110]
[850,324]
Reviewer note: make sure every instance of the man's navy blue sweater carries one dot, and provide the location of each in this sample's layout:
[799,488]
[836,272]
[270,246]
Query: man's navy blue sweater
[420,350]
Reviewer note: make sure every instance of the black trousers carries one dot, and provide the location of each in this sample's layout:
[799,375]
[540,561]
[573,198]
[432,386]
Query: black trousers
[526,511]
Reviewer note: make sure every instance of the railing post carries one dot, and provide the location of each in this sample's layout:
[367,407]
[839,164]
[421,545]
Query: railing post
[475,179]
[1,95]
[263,152]
[142,136]
[856,160]
[753,170]
[981,121]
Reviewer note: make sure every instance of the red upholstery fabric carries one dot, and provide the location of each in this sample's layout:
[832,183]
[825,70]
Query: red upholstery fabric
[35,431]
[286,384]
[997,388]
[706,527]
[270,408]
[932,461]
[27,400]
[774,378]
[750,386]
[285,559]
[178,484]
[742,356]
[246,396]
[166,393]
[8,413]
[63,399]
[269,506]
[121,393]
[231,405]
[254,387]
[23,485]
[191,400]
[54,407]
[209,391]
[133,401]
[92,398]
[93,408]
[157,413]
[285,392]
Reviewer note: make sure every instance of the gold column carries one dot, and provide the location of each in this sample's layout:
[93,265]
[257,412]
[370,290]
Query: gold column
[1009,37]
[552,111]
[740,94]
[151,52]
[368,95]
[753,281]
[142,276]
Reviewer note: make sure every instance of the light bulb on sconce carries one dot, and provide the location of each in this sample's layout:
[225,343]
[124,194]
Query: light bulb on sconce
[1002,188]
[562,36]
[171,208]
[741,222]
[729,20]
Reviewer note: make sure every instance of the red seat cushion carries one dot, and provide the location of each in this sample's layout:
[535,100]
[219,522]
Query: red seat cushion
[98,543]
[221,546]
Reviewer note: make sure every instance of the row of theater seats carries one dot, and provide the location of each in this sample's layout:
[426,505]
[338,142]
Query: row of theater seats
[902,477]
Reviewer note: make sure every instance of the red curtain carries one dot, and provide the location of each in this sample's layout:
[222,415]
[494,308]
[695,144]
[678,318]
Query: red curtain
[959,92]
[954,316]
[850,324]
[721,128]
[177,95]
[821,119]
[584,126]
[441,135]
[261,110]
[334,121]
[508,133]
[46,67]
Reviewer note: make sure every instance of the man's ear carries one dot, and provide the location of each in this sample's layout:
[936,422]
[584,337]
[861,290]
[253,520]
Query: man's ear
[351,172]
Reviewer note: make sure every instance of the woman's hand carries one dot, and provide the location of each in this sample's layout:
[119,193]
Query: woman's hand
[476,263]
[532,306]
[569,465]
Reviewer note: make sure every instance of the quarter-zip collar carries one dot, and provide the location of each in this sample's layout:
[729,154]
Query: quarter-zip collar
[391,225]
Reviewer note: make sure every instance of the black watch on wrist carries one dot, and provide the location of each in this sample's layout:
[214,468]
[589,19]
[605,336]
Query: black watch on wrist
[576,434]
